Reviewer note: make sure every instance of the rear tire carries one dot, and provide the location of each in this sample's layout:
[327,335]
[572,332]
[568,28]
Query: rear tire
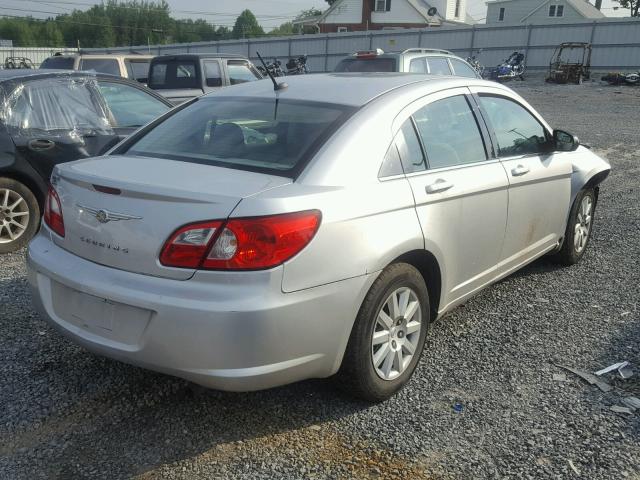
[388,336]
[19,215]
[579,228]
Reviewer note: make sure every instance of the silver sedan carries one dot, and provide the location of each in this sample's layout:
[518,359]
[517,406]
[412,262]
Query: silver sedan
[258,237]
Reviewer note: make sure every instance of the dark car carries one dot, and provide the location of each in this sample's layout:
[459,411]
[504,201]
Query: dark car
[183,77]
[52,117]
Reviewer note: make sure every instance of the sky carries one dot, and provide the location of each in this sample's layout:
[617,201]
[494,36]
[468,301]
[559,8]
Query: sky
[270,13]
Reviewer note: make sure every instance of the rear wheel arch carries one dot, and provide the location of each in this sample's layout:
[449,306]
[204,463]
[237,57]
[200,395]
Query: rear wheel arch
[30,183]
[427,264]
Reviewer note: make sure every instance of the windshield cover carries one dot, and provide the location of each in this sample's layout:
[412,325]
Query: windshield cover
[245,133]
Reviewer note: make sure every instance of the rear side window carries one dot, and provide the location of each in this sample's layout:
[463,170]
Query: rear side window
[241,72]
[174,74]
[138,70]
[101,65]
[450,133]
[366,65]
[212,73]
[462,69]
[59,63]
[418,65]
[244,133]
[517,131]
[439,66]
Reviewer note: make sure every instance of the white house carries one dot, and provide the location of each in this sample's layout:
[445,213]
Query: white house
[540,11]
[359,15]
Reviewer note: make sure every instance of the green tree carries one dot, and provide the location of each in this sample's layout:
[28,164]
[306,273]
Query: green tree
[247,26]
[633,5]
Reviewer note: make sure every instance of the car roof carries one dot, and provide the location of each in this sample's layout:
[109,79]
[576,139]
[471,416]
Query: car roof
[352,89]
[188,56]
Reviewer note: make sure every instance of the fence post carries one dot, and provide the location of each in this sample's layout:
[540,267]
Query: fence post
[593,32]
[290,42]
[526,48]
[371,41]
[326,53]
[473,39]
[420,38]
[248,48]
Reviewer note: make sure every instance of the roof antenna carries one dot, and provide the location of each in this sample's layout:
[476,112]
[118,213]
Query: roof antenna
[276,86]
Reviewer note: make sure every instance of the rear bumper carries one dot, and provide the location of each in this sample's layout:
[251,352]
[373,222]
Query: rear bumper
[230,331]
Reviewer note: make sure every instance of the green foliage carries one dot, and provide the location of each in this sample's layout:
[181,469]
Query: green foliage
[331,2]
[633,5]
[247,26]
[120,23]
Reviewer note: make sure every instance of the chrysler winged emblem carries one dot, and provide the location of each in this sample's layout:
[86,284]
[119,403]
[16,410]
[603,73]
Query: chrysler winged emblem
[105,216]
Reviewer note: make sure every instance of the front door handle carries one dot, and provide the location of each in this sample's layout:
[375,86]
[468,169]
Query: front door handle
[440,185]
[41,144]
[519,171]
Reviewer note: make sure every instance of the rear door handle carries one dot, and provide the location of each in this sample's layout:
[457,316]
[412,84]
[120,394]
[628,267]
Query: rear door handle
[41,144]
[519,171]
[440,185]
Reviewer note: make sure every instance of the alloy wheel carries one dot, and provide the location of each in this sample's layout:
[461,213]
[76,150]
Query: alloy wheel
[396,333]
[14,215]
[582,227]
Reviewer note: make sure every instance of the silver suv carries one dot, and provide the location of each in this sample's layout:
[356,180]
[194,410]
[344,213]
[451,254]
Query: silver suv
[412,60]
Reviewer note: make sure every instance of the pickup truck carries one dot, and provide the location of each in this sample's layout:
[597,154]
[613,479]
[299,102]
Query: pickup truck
[182,77]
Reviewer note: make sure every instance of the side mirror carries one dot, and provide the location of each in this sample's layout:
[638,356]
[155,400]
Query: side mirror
[564,141]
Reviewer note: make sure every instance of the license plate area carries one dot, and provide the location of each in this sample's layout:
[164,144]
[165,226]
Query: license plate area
[113,321]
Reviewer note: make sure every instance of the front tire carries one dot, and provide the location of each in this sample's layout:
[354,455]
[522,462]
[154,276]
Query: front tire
[388,335]
[579,228]
[19,215]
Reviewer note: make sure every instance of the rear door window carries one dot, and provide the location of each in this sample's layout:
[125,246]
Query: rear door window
[462,69]
[212,73]
[57,106]
[450,133]
[366,65]
[418,65]
[101,65]
[174,74]
[438,66]
[138,70]
[241,72]
[410,149]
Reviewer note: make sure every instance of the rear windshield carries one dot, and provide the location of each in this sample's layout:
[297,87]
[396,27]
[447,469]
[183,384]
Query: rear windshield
[367,65]
[101,65]
[174,74]
[58,63]
[244,133]
[138,69]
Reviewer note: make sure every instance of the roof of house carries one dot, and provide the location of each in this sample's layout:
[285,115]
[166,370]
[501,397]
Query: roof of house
[421,6]
[583,7]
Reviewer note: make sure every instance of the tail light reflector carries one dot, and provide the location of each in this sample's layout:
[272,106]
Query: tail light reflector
[53,212]
[241,243]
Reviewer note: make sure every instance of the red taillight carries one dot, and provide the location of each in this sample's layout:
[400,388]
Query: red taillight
[53,212]
[241,243]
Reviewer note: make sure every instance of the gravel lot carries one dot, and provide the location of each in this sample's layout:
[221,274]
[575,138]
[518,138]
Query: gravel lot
[65,413]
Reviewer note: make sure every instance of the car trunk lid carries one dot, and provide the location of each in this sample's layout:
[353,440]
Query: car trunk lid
[119,210]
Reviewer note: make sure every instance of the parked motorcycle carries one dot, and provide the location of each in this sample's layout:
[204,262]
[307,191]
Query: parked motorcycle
[297,66]
[475,63]
[275,67]
[616,78]
[512,67]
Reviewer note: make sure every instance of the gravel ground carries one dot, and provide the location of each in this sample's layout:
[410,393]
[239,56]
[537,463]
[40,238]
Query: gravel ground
[65,413]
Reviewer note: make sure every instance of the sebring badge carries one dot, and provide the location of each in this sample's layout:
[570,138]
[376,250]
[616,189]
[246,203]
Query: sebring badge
[104,216]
